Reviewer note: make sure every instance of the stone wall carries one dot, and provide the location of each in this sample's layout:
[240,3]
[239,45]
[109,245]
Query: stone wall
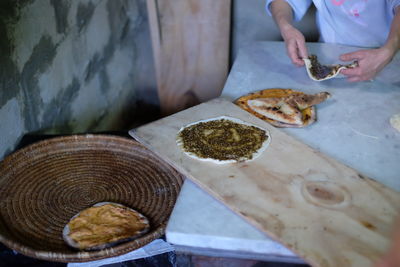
[73,66]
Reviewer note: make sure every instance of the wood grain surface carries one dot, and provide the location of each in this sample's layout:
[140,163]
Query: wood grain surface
[327,213]
[190,40]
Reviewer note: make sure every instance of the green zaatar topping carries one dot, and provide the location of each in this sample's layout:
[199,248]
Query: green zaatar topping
[222,140]
[321,71]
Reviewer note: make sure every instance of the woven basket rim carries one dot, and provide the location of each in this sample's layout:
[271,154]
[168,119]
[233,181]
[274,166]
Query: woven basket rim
[83,256]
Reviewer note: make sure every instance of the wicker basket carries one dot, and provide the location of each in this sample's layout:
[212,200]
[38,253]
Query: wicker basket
[43,185]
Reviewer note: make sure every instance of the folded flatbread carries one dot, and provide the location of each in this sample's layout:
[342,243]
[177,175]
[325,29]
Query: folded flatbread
[283,107]
[319,72]
[277,109]
[103,225]
[286,109]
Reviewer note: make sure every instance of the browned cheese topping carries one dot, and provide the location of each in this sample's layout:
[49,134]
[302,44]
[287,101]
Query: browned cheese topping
[222,140]
[105,224]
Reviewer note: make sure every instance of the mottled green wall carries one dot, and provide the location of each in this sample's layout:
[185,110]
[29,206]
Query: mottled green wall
[70,66]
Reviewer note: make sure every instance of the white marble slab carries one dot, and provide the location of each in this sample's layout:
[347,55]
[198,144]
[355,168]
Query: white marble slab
[223,230]
[353,127]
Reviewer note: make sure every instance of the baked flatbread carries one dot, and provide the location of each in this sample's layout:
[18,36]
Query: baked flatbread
[223,140]
[282,107]
[304,101]
[318,72]
[286,109]
[103,225]
[277,109]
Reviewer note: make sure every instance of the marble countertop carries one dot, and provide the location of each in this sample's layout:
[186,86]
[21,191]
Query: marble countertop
[352,127]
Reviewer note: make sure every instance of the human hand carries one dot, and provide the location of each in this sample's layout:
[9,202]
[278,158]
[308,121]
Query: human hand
[295,45]
[370,63]
[392,257]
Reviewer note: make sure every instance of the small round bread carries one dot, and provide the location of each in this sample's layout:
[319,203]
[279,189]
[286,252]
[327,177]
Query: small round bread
[103,225]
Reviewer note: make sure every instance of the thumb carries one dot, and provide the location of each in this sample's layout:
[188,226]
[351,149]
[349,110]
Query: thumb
[351,56]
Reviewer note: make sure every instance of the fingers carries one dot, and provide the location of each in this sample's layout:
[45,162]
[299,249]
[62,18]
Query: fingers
[302,49]
[353,75]
[354,79]
[390,260]
[357,74]
[293,54]
[296,52]
[352,56]
[380,264]
[351,72]
[359,78]
[295,45]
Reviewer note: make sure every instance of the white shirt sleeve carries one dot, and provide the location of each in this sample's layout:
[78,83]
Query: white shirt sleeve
[393,4]
[299,7]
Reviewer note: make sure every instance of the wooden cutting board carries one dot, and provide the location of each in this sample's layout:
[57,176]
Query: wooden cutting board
[326,212]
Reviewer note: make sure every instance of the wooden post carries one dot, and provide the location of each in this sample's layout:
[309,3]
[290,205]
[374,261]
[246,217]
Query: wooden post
[190,40]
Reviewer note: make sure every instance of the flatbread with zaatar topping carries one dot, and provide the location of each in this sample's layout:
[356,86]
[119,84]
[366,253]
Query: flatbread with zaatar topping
[282,107]
[103,225]
[318,72]
[223,140]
